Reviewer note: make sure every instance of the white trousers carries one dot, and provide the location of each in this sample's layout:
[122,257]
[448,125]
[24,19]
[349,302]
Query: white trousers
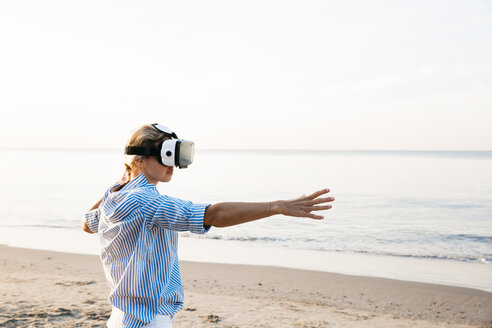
[160,321]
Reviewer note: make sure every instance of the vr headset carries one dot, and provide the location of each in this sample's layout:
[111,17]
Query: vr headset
[171,152]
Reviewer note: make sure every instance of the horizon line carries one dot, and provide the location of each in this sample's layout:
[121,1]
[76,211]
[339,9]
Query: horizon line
[252,149]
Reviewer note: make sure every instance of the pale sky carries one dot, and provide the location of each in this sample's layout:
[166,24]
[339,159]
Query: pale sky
[409,75]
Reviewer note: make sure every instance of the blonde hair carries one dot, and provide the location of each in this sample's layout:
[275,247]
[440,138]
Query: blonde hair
[146,135]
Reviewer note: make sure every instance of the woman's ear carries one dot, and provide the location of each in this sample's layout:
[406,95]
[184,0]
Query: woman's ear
[140,162]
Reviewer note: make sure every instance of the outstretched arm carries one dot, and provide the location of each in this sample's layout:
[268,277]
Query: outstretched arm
[233,213]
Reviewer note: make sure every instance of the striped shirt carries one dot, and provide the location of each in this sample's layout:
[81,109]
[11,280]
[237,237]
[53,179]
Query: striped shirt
[137,229]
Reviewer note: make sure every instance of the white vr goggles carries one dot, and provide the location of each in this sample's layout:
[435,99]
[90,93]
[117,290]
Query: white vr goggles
[171,152]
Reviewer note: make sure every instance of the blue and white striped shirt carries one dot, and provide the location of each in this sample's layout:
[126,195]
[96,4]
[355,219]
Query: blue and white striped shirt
[137,229]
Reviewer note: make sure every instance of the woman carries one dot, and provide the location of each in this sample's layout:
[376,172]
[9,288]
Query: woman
[138,227]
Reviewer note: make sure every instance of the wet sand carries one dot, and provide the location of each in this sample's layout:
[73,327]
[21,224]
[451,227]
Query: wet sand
[44,288]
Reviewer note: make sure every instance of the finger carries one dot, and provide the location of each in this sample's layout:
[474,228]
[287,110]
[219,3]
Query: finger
[320,200]
[314,216]
[320,208]
[317,208]
[318,193]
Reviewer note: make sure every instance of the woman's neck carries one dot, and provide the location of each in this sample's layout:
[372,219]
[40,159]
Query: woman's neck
[136,173]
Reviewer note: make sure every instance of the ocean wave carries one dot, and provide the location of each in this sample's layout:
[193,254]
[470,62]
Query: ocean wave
[406,237]
[470,237]
[320,245]
[463,247]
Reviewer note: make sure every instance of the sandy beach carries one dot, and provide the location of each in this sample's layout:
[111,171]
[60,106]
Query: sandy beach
[44,288]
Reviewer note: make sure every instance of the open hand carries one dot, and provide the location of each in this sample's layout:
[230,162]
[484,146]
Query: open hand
[304,205]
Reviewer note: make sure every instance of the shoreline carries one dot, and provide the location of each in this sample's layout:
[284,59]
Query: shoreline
[60,289]
[435,271]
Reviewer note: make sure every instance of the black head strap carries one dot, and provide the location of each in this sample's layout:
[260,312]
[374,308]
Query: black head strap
[143,151]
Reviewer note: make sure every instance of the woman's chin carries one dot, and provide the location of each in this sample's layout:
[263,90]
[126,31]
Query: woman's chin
[166,179]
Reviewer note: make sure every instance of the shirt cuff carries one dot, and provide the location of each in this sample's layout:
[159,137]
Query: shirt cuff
[92,220]
[196,220]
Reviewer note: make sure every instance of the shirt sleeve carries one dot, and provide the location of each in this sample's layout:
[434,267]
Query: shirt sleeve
[179,215]
[92,219]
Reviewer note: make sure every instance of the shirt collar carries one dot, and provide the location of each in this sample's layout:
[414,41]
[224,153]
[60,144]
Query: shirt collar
[139,181]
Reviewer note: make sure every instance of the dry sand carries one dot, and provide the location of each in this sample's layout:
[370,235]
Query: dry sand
[50,289]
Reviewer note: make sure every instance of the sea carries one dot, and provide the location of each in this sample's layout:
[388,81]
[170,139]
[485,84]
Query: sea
[411,215]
